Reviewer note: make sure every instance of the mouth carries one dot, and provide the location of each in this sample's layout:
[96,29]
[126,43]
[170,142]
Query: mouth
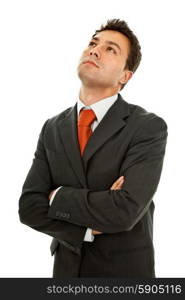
[91,63]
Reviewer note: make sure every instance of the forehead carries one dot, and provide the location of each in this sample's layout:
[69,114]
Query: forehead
[114,36]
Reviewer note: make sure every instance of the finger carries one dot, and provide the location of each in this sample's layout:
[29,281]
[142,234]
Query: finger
[120,180]
[94,232]
[118,183]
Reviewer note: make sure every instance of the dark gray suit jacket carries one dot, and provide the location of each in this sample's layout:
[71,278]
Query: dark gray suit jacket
[128,141]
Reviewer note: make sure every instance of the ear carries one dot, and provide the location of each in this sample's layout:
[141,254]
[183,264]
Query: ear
[126,76]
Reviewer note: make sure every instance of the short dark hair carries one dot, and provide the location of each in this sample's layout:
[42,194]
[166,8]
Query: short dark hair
[134,56]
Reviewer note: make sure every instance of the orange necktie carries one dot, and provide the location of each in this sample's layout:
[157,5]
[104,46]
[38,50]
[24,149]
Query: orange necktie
[86,118]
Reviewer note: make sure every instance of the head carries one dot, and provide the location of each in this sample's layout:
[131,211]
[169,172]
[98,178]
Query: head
[111,57]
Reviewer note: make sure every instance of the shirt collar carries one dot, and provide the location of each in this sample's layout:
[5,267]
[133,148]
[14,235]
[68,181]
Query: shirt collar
[100,108]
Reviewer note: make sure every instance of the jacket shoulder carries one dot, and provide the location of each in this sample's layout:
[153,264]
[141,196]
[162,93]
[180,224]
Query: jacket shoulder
[50,124]
[57,118]
[145,118]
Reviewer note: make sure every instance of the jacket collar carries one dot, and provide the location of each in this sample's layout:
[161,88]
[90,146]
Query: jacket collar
[112,122]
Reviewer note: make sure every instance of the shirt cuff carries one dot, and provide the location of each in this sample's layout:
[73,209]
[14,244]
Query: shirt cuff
[89,237]
[53,195]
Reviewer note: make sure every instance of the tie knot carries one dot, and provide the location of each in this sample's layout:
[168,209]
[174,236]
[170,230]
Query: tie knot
[87,116]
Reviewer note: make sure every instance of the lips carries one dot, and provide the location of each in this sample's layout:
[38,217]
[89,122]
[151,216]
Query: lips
[91,63]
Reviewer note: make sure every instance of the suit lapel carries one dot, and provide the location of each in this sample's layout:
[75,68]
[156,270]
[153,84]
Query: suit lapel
[112,122]
[68,134]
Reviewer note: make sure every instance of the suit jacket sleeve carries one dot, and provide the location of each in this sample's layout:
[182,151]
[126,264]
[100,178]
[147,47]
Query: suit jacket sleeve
[34,202]
[112,211]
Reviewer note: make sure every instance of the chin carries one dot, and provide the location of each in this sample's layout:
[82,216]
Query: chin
[87,78]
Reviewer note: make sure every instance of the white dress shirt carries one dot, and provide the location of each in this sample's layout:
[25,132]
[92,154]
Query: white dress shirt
[100,108]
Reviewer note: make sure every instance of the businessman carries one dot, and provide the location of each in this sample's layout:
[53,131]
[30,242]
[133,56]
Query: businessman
[96,169]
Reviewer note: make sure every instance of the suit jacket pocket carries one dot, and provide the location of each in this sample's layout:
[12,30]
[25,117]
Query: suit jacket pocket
[55,244]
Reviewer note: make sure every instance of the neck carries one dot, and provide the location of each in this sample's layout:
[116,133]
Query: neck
[91,95]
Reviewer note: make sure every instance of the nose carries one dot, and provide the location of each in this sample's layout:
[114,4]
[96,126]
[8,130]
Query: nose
[95,52]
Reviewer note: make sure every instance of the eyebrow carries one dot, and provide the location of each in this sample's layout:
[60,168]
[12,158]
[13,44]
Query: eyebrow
[108,42]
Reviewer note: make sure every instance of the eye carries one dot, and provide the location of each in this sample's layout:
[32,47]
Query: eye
[111,49]
[92,44]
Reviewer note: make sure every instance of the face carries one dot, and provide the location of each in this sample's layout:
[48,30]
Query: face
[102,63]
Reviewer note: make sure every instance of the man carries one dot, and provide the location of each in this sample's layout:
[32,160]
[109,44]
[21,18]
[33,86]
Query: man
[97,167]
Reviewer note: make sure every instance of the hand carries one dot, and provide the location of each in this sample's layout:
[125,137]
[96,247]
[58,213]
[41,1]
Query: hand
[94,232]
[116,186]
[118,183]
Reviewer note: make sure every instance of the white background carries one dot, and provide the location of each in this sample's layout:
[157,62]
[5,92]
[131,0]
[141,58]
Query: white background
[40,44]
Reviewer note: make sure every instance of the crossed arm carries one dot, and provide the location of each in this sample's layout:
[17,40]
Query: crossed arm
[112,211]
[73,210]
[116,186]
